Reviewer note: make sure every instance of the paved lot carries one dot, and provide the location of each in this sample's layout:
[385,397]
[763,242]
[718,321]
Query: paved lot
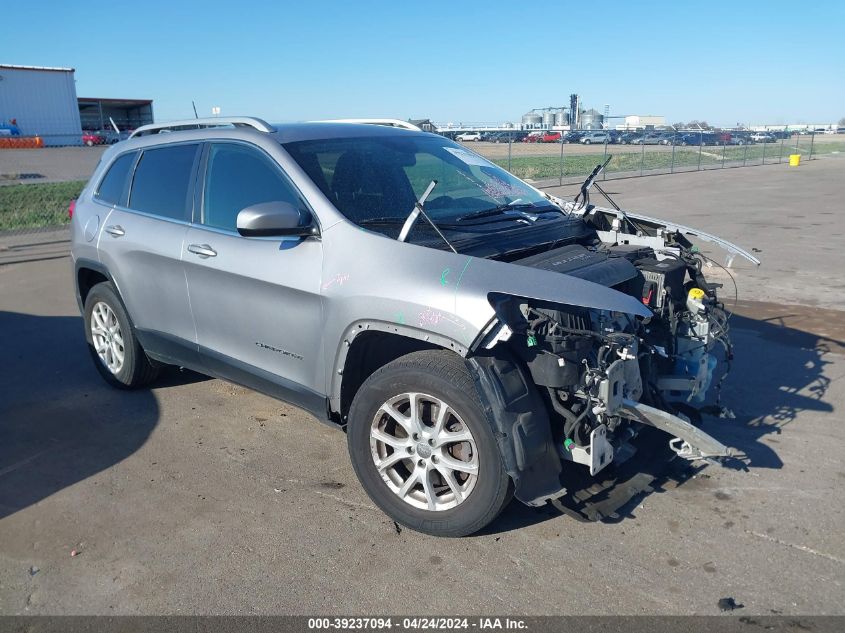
[50,164]
[202,497]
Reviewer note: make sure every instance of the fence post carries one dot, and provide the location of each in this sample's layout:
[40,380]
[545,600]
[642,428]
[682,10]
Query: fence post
[672,166]
[797,144]
[764,152]
[724,147]
[604,171]
[510,144]
[745,153]
[642,156]
[700,146]
[561,160]
[812,140]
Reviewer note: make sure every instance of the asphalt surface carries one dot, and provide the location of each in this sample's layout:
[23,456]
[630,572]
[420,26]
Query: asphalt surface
[198,496]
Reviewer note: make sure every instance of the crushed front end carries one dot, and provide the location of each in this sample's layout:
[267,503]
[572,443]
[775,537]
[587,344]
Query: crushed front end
[603,377]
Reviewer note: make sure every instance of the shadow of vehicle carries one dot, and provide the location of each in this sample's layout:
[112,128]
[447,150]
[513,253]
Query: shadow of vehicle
[59,422]
[777,374]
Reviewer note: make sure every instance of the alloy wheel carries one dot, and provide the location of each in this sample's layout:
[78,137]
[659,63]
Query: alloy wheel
[107,337]
[424,451]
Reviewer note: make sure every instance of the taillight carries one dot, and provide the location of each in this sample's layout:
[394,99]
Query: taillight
[70,209]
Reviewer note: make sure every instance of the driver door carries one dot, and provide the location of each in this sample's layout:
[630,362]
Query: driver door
[256,300]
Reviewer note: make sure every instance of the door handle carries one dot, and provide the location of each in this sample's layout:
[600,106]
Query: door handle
[203,250]
[115,230]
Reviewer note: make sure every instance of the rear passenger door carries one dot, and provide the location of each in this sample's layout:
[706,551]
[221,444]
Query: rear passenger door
[141,245]
[256,300]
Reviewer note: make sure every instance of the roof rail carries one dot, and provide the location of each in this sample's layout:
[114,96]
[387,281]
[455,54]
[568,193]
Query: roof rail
[405,125]
[198,124]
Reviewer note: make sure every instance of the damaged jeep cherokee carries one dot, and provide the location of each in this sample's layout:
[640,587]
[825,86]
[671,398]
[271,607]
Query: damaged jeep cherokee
[476,338]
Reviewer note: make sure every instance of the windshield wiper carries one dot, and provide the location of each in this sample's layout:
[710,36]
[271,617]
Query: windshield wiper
[418,211]
[502,209]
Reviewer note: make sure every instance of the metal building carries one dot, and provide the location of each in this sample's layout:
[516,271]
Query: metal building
[42,101]
[128,114]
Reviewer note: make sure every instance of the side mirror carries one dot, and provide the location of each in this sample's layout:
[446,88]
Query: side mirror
[275,219]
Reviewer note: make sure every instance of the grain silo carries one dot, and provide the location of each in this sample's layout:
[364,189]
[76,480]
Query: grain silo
[531,120]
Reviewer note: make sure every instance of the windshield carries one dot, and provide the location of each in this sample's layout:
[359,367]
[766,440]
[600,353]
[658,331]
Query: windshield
[380,178]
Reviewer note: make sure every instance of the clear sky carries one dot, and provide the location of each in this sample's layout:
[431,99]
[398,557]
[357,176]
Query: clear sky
[724,62]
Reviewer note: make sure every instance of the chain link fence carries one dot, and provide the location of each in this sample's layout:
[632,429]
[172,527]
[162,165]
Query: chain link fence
[38,181]
[552,159]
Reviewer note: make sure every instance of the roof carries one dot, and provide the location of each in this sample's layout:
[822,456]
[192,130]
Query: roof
[46,68]
[292,132]
[114,102]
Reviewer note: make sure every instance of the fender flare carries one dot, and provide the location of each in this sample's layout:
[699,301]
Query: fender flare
[93,265]
[367,325]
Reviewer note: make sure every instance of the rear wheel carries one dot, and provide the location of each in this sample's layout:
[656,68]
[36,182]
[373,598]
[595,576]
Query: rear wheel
[116,352]
[423,449]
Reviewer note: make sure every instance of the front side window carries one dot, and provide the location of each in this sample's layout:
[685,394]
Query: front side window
[238,177]
[113,184]
[162,181]
[381,177]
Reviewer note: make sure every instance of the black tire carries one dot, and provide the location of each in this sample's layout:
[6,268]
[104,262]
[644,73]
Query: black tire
[137,369]
[587,142]
[443,375]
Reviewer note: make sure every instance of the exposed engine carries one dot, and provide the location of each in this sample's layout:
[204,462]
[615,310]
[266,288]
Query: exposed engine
[605,374]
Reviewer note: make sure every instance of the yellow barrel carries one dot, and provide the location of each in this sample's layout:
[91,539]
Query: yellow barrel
[794,160]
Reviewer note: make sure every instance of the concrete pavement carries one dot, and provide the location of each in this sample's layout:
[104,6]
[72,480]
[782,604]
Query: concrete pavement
[198,496]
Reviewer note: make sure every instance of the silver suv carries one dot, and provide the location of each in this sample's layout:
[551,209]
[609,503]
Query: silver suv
[474,337]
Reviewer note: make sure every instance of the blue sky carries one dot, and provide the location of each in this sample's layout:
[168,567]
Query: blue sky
[726,62]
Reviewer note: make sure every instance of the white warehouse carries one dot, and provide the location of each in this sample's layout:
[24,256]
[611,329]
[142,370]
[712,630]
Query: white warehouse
[42,102]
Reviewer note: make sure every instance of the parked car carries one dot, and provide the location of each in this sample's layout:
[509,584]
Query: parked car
[652,138]
[288,259]
[91,138]
[533,137]
[739,138]
[514,136]
[698,138]
[629,137]
[762,137]
[468,136]
[597,138]
[573,137]
[551,137]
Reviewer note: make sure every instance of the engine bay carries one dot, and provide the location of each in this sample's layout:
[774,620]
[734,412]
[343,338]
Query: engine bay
[603,375]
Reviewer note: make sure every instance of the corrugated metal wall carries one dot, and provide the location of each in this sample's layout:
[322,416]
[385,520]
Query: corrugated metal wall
[43,102]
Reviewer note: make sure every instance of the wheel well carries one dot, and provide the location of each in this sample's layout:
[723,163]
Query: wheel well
[368,352]
[87,278]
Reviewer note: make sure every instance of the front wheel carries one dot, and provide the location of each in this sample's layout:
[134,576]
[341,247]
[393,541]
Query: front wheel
[423,449]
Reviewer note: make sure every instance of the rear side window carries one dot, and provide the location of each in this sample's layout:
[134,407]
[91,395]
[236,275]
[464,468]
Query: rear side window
[162,182]
[238,177]
[113,184]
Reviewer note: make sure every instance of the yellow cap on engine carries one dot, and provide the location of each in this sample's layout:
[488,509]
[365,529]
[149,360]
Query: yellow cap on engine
[696,294]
